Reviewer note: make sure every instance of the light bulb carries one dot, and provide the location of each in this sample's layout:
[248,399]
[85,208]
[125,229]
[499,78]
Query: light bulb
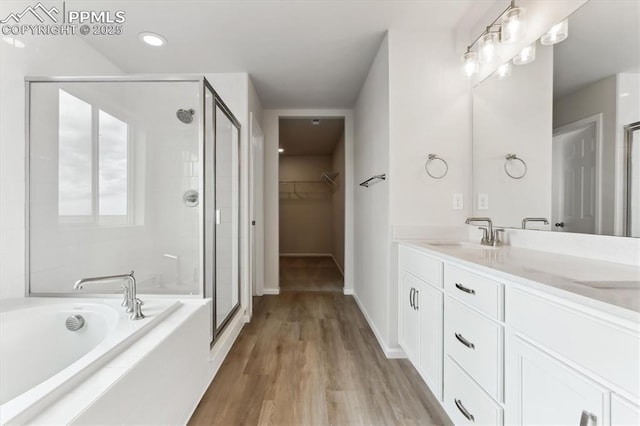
[512,25]
[503,71]
[556,34]
[488,48]
[470,66]
[526,55]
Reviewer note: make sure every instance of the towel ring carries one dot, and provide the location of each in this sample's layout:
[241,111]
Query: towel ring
[433,157]
[510,157]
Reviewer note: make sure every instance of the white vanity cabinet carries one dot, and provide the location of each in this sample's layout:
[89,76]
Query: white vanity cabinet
[499,349]
[420,314]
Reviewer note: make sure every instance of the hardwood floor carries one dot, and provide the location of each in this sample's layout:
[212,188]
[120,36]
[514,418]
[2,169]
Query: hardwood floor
[311,359]
[310,274]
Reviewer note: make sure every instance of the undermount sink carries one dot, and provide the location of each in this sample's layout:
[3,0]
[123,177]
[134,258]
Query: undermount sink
[462,244]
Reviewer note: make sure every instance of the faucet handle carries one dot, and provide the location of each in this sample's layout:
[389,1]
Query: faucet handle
[485,233]
[497,241]
[137,310]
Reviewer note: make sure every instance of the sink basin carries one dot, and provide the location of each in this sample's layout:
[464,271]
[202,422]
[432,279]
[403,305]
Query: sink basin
[462,244]
[627,285]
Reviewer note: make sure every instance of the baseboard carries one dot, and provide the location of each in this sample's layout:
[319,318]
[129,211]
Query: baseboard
[271,291]
[390,353]
[306,255]
[349,292]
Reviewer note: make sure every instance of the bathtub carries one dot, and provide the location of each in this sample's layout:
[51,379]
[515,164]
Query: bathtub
[40,359]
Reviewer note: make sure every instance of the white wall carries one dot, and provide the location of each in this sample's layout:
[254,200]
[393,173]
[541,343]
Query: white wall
[40,56]
[306,209]
[372,232]
[270,124]
[597,98]
[512,116]
[338,204]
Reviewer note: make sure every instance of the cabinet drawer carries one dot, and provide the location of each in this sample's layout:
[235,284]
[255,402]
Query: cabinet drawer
[422,266]
[465,402]
[476,343]
[608,350]
[479,292]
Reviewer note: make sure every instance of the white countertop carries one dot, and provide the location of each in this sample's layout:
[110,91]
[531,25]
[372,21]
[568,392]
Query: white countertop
[610,287]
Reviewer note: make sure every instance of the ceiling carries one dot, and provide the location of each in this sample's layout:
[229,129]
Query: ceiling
[299,136]
[604,39]
[300,54]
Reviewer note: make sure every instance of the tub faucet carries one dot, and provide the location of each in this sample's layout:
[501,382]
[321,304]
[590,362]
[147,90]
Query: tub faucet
[487,236]
[533,219]
[133,304]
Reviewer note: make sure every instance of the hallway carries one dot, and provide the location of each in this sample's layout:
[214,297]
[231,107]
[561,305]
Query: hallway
[313,274]
[311,359]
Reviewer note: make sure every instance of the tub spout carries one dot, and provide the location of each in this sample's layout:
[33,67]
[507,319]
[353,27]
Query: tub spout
[131,291]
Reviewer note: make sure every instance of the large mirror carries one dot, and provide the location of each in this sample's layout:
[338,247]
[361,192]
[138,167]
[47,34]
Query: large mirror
[557,140]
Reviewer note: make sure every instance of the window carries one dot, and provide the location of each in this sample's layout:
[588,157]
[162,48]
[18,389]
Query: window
[93,164]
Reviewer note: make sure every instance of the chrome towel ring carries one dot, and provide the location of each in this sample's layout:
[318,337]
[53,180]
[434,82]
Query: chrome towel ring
[514,157]
[432,158]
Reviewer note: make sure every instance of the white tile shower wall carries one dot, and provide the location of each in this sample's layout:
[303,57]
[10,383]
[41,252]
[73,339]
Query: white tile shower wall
[39,56]
[161,245]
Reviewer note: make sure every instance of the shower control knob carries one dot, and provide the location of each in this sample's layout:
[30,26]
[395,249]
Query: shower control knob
[559,225]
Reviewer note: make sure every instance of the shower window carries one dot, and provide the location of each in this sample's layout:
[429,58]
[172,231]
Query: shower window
[93,164]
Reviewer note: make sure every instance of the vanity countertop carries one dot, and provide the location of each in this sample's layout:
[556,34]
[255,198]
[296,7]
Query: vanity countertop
[609,287]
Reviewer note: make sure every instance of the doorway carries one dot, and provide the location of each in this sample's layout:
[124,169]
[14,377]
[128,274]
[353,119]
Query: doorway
[576,159]
[311,204]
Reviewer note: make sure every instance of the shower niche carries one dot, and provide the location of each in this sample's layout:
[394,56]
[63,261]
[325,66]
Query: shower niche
[133,173]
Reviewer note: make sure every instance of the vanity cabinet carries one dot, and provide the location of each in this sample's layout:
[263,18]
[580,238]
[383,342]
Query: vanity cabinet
[420,308]
[498,350]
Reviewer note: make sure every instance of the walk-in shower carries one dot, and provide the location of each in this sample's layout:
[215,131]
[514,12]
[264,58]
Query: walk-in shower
[117,183]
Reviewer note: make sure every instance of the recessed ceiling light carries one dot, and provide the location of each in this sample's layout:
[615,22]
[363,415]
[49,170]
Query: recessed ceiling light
[315,121]
[152,39]
[280,150]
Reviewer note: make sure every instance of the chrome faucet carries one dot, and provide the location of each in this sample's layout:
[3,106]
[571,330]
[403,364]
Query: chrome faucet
[487,236]
[533,219]
[131,302]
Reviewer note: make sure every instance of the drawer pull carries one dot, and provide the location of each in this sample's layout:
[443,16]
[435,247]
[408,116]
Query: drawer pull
[466,290]
[411,297]
[463,410]
[464,341]
[588,419]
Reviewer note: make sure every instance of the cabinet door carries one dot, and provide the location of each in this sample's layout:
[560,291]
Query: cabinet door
[624,412]
[430,309]
[408,331]
[542,390]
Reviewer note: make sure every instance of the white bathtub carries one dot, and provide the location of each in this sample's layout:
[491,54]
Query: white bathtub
[40,359]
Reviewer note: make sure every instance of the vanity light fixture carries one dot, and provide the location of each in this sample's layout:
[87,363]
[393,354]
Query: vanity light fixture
[152,39]
[526,55]
[503,71]
[508,27]
[556,34]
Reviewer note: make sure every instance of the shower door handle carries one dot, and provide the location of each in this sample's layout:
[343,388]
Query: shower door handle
[218,220]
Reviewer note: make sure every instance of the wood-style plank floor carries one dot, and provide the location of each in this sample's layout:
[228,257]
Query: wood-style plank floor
[315,273]
[311,359]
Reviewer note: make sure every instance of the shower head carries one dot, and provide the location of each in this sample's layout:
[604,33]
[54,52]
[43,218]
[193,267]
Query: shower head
[185,115]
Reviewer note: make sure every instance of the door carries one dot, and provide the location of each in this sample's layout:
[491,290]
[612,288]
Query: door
[575,179]
[409,318]
[429,304]
[632,175]
[256,234]
[542,390]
